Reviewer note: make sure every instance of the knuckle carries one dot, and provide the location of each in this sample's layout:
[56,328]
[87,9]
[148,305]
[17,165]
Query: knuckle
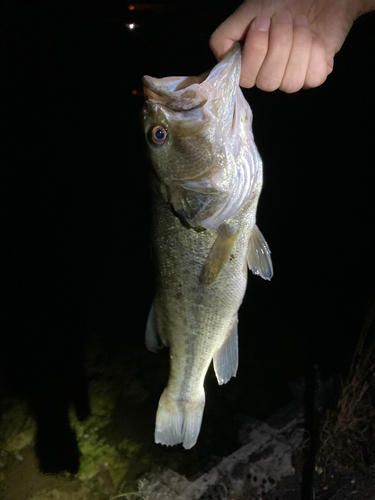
[330,65]
[293,80]
[259,47]
[315,80]
[247,82]
[268,83]
[270,77]
[213,42]
[318,68]
[283,38]
[302,36]
[291,87]
[212,39]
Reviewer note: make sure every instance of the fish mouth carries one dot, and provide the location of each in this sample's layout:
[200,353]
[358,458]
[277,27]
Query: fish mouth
[183,93]
[176,93]
[163,87]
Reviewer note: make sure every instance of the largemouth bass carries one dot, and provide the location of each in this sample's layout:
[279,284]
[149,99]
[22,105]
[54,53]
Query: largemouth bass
[206,182]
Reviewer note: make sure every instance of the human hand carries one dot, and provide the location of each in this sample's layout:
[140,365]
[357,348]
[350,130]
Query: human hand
[288,44]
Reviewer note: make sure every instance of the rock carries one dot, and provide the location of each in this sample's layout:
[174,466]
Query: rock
[257,467]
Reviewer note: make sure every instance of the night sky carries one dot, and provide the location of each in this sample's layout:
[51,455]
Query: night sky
[75,204]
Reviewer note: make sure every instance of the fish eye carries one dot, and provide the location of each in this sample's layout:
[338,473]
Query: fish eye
[158,135]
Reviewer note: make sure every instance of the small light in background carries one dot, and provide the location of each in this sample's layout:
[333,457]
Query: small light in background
[132,26]
[136,92]
[147,6]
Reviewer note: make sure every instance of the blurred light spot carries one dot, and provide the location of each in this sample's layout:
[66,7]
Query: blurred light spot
[131,7]
[132,26]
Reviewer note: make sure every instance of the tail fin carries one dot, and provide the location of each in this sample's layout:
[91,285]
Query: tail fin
[179,421]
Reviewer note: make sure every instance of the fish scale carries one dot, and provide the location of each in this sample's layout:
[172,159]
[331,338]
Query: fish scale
[201,234]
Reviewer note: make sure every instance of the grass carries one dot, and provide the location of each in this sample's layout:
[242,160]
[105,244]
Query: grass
[347,435]
[126,495]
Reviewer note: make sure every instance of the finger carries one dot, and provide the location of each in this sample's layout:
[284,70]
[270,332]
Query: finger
[234,28]
[330,62]
[220,45]
[254,51]
[279,46]
[317,70]
[295,73]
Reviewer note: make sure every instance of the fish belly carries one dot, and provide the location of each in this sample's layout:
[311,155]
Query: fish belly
[194,320]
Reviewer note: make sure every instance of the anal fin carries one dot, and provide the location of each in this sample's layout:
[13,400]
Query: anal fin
[259,255]
[226,358]
[218,254]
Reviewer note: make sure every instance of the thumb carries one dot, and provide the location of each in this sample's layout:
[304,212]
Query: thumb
[233,29]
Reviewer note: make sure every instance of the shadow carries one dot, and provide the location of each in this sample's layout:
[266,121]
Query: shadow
[311,433]
[43,334]
[63,156]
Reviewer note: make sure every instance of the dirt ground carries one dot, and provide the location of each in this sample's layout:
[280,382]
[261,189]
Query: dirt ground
[116,441]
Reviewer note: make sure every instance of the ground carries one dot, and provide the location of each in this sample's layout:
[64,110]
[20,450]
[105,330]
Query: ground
[116,440]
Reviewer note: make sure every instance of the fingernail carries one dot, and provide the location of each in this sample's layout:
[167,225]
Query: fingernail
[262,23]
[284,17]
[300,21]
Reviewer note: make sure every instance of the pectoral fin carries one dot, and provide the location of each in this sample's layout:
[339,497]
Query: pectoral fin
[259,255]
[226,358]
[153,341]
[218,254]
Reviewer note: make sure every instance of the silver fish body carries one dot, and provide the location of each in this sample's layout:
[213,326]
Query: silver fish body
[207,178]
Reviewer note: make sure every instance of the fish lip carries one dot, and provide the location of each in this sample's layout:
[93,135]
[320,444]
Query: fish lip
[177,99]
[173,85]
[188,92]
[148,92]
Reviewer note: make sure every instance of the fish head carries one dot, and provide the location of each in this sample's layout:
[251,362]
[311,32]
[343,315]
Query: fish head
[198,131]
[187,120]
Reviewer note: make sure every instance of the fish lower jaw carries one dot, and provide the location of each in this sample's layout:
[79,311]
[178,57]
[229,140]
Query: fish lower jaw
[179,421]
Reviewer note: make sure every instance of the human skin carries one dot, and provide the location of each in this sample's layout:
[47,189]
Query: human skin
[288,44]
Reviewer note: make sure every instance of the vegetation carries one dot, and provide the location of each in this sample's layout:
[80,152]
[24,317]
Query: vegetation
[347,435]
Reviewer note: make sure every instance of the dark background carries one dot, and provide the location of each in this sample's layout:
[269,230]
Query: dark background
[75,209]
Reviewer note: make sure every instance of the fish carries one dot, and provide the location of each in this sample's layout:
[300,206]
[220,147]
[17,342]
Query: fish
[206,178]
